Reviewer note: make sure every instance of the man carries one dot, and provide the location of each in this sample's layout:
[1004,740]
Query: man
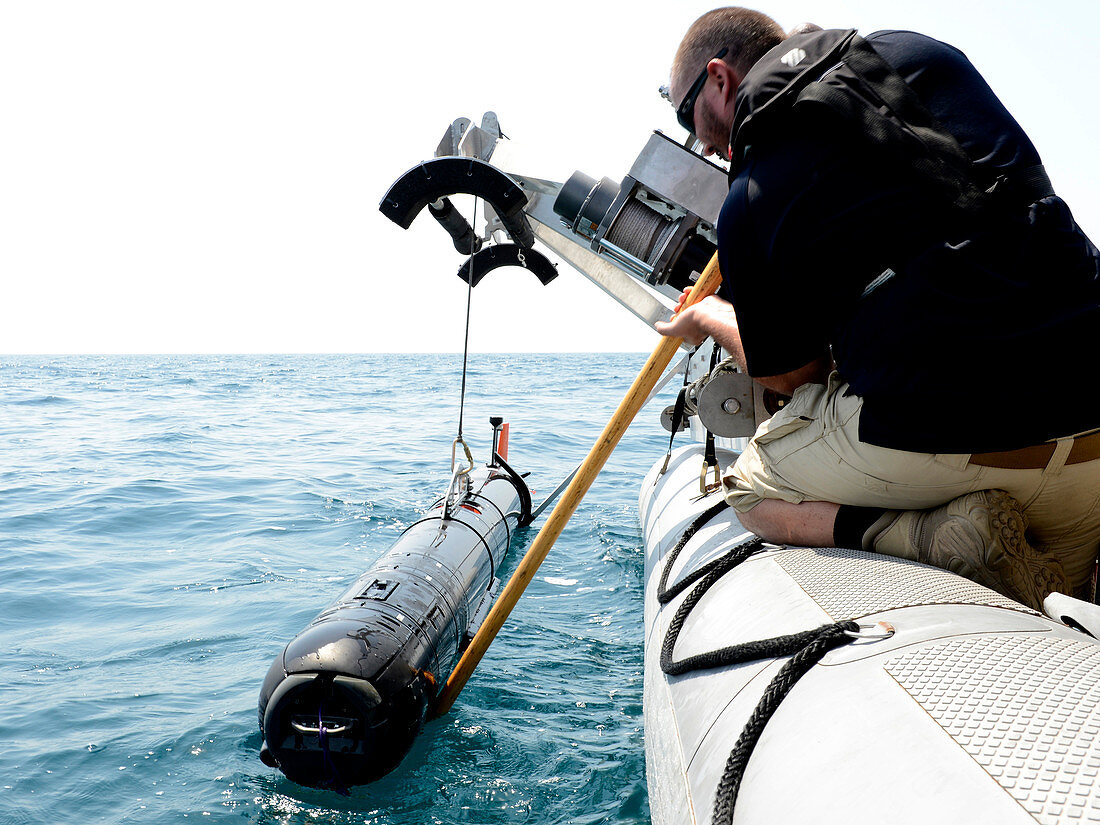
[926,301]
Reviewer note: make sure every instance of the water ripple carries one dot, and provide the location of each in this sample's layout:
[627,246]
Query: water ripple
[168,523]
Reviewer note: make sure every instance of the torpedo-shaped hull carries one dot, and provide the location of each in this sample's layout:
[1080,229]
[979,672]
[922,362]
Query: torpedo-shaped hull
[345,699]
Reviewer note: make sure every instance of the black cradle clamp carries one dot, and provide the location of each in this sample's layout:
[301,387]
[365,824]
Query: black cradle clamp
[431,182]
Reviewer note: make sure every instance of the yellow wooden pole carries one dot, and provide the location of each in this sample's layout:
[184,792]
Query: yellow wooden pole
[707,284]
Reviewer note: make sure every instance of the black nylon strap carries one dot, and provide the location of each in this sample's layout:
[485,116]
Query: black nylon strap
[678,414]
[710,456]
[677,420]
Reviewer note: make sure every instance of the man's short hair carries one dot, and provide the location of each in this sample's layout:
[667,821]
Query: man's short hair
[746,33]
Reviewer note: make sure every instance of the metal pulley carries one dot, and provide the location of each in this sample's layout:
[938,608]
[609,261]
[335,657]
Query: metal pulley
[725,405]
[677,415]
[668,414]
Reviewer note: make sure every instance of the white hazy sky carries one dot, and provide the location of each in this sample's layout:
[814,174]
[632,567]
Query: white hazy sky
[204,176]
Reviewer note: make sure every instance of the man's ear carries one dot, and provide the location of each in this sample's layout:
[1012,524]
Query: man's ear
[728,79]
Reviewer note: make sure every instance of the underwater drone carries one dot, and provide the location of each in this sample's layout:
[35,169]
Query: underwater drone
[346,698]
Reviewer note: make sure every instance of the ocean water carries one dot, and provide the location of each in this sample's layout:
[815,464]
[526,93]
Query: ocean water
[168,523]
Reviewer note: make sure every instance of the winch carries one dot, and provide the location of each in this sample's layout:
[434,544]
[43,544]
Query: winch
[642,239]
[664,239]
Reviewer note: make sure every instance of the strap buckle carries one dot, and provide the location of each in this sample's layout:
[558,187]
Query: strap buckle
[707,489]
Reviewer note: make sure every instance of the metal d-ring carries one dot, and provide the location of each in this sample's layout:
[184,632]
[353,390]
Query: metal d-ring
[459,475]
[704,488]
[885,632]
[469,456]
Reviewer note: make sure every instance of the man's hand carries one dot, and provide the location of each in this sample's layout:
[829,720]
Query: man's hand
[710,317]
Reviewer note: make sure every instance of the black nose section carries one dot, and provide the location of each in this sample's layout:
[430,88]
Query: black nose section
[333,732]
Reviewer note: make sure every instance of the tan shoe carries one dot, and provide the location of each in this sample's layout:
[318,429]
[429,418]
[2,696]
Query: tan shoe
[979,536]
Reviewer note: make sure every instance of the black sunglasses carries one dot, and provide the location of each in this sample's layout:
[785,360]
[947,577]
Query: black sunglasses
[685,112]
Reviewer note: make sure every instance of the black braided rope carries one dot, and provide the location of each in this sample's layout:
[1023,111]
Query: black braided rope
[827,638]
[666,594]
[729,655]
[806,649]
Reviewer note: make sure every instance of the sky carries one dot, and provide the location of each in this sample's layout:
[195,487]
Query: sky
[204,176]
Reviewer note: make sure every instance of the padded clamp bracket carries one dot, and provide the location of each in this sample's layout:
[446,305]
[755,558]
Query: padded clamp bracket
[507,254]
[435,179]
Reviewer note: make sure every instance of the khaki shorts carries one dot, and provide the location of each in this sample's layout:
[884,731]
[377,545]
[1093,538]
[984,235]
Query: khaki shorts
[810,451]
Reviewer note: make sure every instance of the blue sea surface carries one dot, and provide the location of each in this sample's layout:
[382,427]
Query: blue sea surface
[168,523]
